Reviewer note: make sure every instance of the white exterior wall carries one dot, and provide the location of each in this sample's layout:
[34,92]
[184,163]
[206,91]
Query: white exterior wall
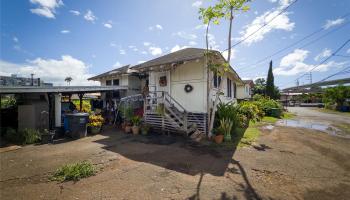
[192,73]
[243,91]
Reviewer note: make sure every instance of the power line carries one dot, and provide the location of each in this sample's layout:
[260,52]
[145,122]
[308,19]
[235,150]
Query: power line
[329,57]
[344,70]
[264,25]
[325,60]
[303,46]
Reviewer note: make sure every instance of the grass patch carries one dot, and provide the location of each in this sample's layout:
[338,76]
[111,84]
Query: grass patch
[251,134]
[74,172]
[269,119]
[343,127]
[288,115]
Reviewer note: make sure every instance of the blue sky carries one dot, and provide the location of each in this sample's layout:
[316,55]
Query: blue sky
[81,38]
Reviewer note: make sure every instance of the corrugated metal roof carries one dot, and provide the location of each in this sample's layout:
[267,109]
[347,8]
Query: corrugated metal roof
[60,89]
[177,56]
[120,70]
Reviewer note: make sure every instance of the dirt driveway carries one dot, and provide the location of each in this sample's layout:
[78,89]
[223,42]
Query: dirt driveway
[285,163]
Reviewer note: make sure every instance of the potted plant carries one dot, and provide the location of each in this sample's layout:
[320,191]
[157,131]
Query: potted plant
[144,129]
[219,136]
[95,123]
[127,113]
[127,127]
[136,120]
[226,127]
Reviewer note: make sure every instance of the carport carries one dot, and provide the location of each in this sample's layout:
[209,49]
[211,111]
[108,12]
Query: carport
[53,97]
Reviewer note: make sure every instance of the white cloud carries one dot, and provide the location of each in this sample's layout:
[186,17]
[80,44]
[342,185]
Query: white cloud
[51,70]
[75,12]
[65,31]
[197,4]
[141,61]
[212,42]
[184,35]
[146,44]
[159,27]
[15,39]
[294,63]
[46,8]
[332,23]
[155,50]
[177,48]
[201,26]
[107,25]
[156,27]
[132,47]
[192,43]
[325,53]
[122,52]
[144,52]
[281,22]
[117,64]
[233,54]
[112,44]
[89,16]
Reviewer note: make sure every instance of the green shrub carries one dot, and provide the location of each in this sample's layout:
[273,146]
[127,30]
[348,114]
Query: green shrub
[30,136]
[25,136]
[227,111]
[250,110]
[74,172]
[267,105]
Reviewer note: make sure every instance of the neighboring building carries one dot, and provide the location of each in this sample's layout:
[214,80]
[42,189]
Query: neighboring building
[244,92]
[14,81]
[122,76]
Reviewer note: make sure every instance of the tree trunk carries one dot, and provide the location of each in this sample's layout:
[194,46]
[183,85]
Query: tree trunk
[229,36]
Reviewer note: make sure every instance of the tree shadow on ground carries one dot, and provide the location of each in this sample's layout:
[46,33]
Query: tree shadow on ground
[181,154]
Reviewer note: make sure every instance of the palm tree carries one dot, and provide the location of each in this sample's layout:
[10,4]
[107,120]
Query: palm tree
[68,79]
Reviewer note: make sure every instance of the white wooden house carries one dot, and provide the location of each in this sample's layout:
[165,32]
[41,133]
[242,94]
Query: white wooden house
[187,87]
[180,84]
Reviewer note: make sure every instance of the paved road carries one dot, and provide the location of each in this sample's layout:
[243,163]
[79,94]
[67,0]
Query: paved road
[313,115]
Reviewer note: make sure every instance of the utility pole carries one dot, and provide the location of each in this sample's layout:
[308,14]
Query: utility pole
[309,77]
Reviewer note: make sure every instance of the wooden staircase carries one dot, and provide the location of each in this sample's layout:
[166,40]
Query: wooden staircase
[162,112]
[172,116]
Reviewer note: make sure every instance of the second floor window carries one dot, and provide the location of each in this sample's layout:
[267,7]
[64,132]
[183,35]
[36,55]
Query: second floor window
[108,82]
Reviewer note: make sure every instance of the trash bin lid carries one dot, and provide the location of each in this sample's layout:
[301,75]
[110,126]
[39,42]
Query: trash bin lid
[80,114]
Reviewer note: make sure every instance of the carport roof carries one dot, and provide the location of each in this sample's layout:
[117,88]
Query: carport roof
[60,89]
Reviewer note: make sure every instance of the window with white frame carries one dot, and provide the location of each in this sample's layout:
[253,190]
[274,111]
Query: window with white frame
[108,82]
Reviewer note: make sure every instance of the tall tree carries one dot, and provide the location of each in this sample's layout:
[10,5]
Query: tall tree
[68,80]
[223,8]
[259,86]
[270,85]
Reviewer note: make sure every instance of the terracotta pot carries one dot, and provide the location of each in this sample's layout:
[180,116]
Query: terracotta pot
[127,129]
[219,139]
[135,130]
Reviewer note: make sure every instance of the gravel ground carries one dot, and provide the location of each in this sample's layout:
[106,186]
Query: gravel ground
[285,163]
